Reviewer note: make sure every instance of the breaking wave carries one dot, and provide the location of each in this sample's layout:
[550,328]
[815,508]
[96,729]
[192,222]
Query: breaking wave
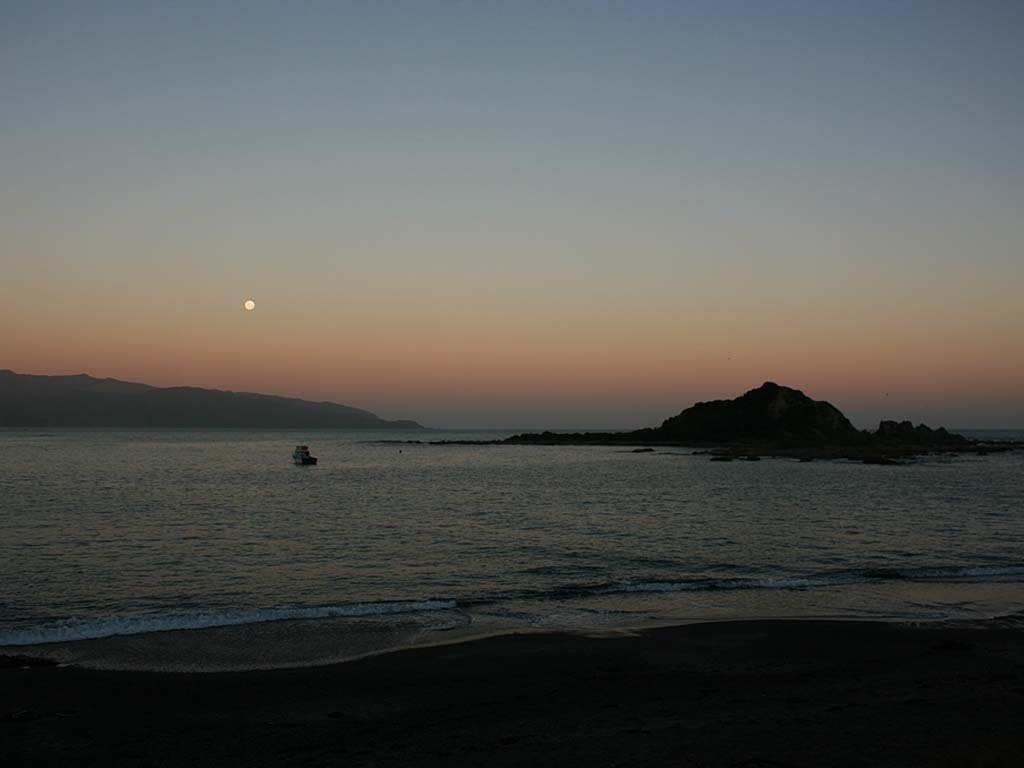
[838,578]
[66,630]
[88,628]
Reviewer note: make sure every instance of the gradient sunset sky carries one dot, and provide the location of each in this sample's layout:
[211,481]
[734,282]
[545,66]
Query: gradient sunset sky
[521,214]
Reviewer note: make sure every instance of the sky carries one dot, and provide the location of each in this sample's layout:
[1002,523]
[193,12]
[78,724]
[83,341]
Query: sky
[519,214]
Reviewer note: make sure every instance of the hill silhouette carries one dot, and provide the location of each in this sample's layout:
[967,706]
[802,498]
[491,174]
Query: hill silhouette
[770,412]
[84,401]
[771,420]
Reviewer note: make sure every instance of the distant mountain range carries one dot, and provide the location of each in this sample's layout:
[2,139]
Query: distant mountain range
[84,401]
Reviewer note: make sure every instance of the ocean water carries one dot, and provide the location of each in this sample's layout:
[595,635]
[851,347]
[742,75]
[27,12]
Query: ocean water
[210,550]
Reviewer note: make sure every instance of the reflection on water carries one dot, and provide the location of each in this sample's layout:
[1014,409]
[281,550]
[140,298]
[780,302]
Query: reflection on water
[104,532]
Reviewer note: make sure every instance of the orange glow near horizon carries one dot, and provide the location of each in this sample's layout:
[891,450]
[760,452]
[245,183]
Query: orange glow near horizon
[534,217]
[553,362]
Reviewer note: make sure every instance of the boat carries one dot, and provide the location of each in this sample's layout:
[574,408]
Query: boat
[301,455]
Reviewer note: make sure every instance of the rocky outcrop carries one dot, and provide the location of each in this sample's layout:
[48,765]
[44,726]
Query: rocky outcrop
[773,420]
[905,433]
[770,412]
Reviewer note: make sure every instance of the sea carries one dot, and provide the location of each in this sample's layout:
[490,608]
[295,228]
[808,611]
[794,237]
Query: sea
[211,551]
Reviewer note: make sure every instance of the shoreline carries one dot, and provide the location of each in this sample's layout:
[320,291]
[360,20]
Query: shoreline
[792,692]
[280,640]
[36,656]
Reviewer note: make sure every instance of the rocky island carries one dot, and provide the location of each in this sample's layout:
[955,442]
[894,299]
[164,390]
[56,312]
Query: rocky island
[774,420]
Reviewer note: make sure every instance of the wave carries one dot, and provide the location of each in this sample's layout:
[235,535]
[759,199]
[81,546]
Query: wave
[820,580]
[88,628]
[944,573]
[707,585]
[570,591]
[67,630]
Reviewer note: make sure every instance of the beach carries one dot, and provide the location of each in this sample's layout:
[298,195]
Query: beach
[745,693]
[399,384]
[502,605]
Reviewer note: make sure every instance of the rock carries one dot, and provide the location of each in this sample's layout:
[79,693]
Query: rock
[905,433]
[768,413]
[770,420]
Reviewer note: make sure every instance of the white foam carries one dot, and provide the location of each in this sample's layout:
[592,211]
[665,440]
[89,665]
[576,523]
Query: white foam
[67,630]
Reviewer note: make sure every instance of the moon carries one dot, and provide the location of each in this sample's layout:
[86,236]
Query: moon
[249,305]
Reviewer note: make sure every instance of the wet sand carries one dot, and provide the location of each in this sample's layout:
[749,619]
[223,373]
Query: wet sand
[769,693]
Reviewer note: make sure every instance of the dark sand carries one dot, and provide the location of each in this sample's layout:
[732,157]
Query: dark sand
[772,693]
